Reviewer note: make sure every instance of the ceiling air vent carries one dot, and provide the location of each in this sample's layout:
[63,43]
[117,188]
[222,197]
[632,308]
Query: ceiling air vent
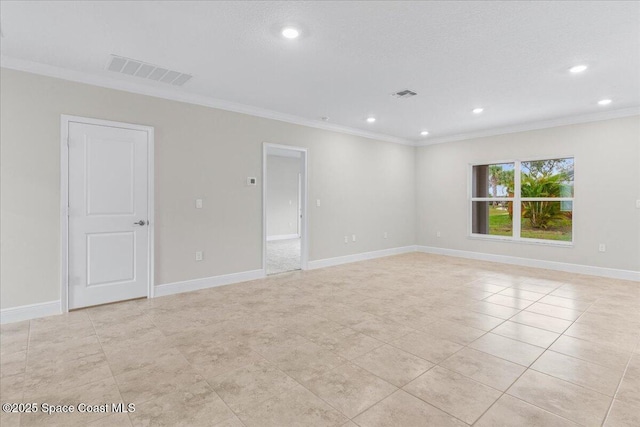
[132,67]
[404,94]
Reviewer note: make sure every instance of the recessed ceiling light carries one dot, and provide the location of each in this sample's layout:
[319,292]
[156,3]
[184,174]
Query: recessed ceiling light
[577,69]
[478,110]
[290,33]
[604,102]
[371,119]
[424,133]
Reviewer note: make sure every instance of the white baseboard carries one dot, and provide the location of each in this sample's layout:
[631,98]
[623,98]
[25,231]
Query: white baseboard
[329,262]
[31,311]
[282,237]
[537,263]
[207,282]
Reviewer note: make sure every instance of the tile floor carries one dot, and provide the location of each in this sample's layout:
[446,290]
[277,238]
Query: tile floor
[410,340]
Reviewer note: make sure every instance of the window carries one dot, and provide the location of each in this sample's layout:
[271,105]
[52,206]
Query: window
[539,193]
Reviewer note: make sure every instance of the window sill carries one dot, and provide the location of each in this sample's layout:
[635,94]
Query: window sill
[539,242]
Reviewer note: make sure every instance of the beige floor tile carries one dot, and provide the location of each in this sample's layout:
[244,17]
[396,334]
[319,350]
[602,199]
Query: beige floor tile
[485,368]
[60,328]
[350,389]
[249,340]
[580,372]
[231,422]
[623,414]
[11,388]
[541,321]
[306,361]
[475,320]
[572,304]
[166,374]
[507,348]
[528,334]
[403,409]
[630,386]
[9,419]
[126,358]
[13,363]
[522,294]
[555,311]
[509,301]
[453,393]
[217,358]
[95,393]
[14,337]
[509,411]
[197,405]
[251,385]
[44,352]
[296,407]
[591,352]
[604,334]
[487,286]
[51,375]
[119,419]
[455,332]
[428,347]
[382,329]
[562,398]
[494,310]
[347,343]
[393,365]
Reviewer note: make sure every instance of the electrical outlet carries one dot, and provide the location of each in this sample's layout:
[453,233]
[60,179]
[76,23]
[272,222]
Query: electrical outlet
[353,237]
[602,247]
[198,203]
[638,204]
[385,235]
[199,256]
[318,202]
[346,239]
[438,234]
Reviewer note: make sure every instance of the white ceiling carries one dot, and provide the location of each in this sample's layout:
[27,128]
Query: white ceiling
[509,57]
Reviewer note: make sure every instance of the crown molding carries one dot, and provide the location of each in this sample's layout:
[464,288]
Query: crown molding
[180,96]
[545,124]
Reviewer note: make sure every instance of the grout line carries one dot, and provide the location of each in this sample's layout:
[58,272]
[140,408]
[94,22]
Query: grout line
[524,372]
[619,385]
[109,365]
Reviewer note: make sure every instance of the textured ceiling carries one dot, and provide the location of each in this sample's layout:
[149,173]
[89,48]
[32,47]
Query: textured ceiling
[509,57]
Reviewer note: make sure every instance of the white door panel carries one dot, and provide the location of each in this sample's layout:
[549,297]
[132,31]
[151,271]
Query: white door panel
[108,194]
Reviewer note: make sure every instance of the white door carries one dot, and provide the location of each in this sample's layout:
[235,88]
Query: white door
[108,214]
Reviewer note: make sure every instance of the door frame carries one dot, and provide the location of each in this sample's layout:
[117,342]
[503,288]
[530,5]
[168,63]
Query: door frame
[65,121]
[304,237]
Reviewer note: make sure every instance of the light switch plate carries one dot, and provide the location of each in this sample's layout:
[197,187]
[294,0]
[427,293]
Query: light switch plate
[199,256]
[198,203]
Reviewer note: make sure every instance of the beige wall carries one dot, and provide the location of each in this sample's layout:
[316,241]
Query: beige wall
[366,186]
[282,195]
[607,185]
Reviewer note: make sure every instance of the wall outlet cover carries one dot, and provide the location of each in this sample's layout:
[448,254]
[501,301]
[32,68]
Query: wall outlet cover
[252,180]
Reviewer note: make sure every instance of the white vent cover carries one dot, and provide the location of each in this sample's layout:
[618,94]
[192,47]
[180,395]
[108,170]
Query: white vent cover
[406,93]
[132,67]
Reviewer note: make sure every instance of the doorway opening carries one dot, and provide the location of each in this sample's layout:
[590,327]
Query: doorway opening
[284,208]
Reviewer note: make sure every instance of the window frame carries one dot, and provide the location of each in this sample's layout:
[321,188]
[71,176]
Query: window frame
[517,200]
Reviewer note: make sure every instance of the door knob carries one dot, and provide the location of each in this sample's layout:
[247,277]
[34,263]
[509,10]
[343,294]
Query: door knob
[141,222]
